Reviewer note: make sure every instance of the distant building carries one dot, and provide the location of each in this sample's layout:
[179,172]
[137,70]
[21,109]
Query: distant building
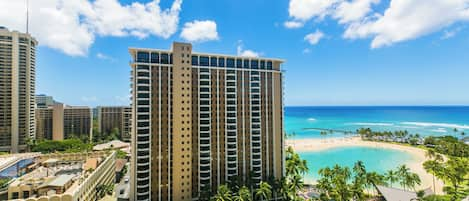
[17,88]
[61,121]
[115,117]
[66,177]
[44,101]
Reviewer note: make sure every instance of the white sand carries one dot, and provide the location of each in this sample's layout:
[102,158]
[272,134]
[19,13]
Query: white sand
[415,166]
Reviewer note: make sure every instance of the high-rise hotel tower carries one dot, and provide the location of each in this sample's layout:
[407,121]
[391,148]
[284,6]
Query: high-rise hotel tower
[201,120]
[17,87]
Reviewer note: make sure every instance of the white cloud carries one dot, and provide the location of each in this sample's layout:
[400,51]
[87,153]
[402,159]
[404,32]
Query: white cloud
[200,31]
[246,53]
[351,11]
[402,20]
[71,26]
[103,56]
[314,38]
[293,24]
[306,51]
[409,19]
[307,9]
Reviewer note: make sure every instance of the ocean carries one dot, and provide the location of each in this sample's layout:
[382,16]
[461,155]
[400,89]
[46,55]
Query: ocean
[426,121]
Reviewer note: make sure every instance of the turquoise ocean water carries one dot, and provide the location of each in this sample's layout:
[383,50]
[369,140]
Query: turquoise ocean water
[436,121]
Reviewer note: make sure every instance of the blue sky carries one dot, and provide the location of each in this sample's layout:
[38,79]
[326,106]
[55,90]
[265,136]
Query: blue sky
[375,55]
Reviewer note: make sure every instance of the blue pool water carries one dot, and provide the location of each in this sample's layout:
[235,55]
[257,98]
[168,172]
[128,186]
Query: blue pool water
[379,160]
[12,170]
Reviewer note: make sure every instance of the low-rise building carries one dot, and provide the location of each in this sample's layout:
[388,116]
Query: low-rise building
[61,121]
[66,177]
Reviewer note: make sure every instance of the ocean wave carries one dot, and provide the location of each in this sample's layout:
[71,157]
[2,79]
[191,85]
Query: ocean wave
[431,124]
[371,124]
[311,119]
[439,130]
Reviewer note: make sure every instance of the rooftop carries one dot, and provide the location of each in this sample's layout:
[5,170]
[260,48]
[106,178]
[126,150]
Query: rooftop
[59,181]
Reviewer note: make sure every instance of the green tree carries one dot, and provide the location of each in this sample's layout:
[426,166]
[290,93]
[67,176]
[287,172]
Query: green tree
[455,173]
[223,194]
[243,195]
[264,192]
[433,167]
[392,177]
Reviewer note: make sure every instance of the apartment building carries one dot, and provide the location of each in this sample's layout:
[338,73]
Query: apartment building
[115,117]
[17,87]
[202,120]
[61,121]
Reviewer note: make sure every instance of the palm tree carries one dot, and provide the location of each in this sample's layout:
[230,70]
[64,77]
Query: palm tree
[264,192]
[303,167]
[430,154]
[223,194]
[391,176]
[359,168]
[402,172]
[432,167]
[411,180]
[243,195]
[296,183]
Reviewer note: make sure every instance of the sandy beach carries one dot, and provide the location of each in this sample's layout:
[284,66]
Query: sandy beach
[416,165]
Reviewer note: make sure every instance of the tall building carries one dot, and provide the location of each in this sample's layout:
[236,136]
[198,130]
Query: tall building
[61,121]
[44,101]
[115,117]
[17,87]
[201,120]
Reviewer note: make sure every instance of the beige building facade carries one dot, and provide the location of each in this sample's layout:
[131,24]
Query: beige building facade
[17,87]
[115,117]
[202,120]
[61,121]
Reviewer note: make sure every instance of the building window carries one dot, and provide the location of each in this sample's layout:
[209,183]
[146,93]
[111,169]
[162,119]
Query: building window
[195,60]
[221,62]
[239,63]
[230,63]
[262,64]
[246,63]
[155,58]
[164,58]
[213,61]
[204,61]
[269,65]
[254,64]
[143,57]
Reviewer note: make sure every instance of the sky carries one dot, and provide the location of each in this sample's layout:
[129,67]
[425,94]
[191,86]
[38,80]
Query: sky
[337,52]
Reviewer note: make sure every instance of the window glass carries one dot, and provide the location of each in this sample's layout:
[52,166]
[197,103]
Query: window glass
[269,65]
[262,64]
[164,58]
[155,58]
[171,59]
[204,61]
[213,61]
[254,64]
[239,63]
[143,57]
[195,60]
[246,63]
[230,63]
[221,62]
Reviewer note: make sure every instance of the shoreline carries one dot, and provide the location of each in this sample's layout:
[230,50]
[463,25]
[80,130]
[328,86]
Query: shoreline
[416,166]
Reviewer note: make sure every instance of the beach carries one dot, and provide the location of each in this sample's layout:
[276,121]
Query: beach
[416,165]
